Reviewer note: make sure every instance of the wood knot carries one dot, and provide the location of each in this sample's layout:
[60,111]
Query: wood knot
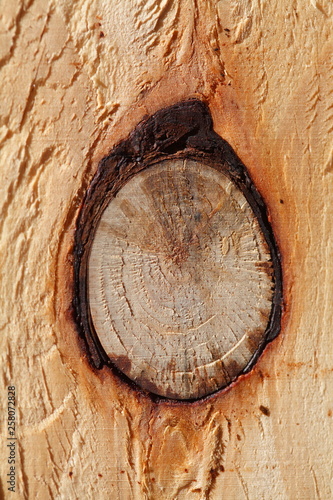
[182,272]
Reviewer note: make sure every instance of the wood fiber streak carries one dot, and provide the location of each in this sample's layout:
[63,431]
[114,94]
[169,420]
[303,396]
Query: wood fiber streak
[68,95]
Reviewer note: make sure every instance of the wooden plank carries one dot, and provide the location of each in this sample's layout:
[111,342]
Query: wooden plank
[76,79]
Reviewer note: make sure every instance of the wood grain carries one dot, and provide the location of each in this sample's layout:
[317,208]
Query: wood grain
[68,96]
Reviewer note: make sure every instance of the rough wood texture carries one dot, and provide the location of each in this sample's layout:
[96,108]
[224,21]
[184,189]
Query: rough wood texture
[179,294]
[76,78]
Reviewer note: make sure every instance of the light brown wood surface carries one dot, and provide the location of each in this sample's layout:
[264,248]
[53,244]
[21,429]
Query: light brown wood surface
[76,77]
[179,292]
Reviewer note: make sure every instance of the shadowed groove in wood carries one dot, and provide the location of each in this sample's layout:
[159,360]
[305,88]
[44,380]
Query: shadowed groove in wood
[180,280]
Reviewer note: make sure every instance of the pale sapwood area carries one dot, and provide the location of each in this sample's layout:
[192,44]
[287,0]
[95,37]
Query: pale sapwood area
[76,78]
